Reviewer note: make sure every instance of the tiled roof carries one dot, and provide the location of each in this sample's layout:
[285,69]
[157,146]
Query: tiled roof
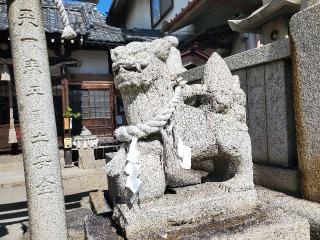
[87,22]
[3,15]
[137,34]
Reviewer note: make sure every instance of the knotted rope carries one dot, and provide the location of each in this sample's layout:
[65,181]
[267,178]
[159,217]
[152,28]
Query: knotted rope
[68,32]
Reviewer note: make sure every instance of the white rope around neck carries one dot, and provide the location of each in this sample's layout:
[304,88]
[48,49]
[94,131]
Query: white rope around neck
[68,32]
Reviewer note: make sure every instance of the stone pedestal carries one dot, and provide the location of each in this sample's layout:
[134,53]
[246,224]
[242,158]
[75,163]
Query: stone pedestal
[305,28]
[263,224]
[86,158]
[34,96]
[184,206]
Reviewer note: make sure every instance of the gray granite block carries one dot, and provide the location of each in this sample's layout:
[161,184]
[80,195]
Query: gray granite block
[292,205]
[75,223]
[257,119]
[280,116]
[305,28]
[194,74]
[188,205]
[152,173]
[268,53]
[265,224]
[242,74]
[100,228]
[280,179]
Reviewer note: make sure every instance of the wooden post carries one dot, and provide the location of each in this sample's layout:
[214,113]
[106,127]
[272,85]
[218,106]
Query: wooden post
[45,197]
[67,132]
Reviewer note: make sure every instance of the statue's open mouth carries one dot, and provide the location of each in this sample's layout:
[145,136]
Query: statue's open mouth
[128,68]
[127,76]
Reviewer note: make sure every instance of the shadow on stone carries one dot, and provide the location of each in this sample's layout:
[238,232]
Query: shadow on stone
[3,230]
[102,227]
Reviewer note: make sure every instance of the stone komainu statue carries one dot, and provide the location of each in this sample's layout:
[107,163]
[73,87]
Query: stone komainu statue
[181,133]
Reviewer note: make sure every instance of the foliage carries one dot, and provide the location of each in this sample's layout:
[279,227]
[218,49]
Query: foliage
[70,114]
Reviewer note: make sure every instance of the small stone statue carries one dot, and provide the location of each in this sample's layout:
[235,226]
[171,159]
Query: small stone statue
[190,137]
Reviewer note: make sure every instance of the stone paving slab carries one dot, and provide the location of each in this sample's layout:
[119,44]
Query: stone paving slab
[292,205]
[75,180]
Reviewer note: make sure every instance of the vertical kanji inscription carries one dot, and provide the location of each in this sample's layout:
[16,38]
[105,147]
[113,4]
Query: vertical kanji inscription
[37,120]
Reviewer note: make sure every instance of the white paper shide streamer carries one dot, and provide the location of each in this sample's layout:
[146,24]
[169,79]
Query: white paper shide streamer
[132,168]
[184,155]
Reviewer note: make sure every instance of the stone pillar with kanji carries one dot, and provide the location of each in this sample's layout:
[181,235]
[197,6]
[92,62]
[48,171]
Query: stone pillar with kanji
[45,197]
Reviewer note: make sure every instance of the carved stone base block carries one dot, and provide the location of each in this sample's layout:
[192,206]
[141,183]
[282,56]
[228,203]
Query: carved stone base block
[189,205]
[260,224]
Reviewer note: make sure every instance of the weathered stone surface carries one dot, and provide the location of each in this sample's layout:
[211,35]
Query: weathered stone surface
[268,53]
[242,74]
[86,158]
[193,74]
[208,118]
[308,3]
[152,172]
[291,205]
[257,119]
[85,202]
[281,145]
[140,71]
[99,202]
[100,228]
[304,28]
[174,61]
[269,11]
[194,204]
[75,223]
[37,120]
[267,224]
[217,120]
[280,179]
[280,26]
[270,112]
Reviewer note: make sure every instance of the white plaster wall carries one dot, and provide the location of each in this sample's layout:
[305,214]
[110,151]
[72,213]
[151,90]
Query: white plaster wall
[93,62]
[140,16]
[177,7]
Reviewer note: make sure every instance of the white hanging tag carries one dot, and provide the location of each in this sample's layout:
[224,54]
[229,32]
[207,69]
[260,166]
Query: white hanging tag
[184,153]
[133,152]
[132,169]
[133,183]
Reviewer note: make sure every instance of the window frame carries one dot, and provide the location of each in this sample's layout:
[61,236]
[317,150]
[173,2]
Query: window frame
[153,25]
